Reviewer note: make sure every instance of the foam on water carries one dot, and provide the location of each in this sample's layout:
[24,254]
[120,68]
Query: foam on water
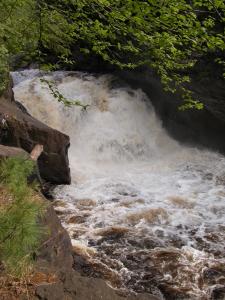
[143,211]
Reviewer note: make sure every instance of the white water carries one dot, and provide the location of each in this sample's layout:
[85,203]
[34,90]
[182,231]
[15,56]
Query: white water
[136,194]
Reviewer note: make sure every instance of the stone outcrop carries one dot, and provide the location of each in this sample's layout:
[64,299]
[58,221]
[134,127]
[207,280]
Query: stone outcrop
[19,129]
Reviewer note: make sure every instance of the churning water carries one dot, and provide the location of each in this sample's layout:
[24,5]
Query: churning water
[143,211]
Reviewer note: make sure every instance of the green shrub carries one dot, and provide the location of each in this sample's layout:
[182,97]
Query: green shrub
[20,232]
[4,68]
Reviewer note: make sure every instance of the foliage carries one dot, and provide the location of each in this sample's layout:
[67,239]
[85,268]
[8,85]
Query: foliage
[19,229]
[170,36]
[60,98]
[4,69]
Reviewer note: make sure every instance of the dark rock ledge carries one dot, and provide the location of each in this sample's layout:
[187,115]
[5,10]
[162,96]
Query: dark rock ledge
[19,129]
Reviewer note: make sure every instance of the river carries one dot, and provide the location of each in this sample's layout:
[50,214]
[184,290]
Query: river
[143,211]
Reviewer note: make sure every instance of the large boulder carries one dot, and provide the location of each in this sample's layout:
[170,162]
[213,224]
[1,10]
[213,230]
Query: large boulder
[19,129]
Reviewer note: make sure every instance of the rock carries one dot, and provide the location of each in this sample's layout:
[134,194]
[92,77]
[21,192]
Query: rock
[59,203]
[50,291]
[114,231]
[86,202]
[96,289]
[6,152]
[204,127]
[19,129]
[79,219]
[218,293]
[56,250]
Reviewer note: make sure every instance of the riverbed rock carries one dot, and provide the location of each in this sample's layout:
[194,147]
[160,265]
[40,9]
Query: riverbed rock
[19,129]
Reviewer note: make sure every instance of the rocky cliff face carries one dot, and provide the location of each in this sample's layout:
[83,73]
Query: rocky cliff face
[19,129]
[206,127]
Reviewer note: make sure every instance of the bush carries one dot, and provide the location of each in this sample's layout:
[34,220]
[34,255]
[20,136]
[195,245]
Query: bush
[20,232]
[4,68]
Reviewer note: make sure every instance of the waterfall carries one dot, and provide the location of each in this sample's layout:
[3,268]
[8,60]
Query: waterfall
[144,211]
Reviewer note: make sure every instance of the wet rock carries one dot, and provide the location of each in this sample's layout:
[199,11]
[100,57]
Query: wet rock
[131,202]
[99,290]
[86,202]
[115,200]
[22,107]
[154,215]
[208,176]
[114,231]
[181,202]
[151,243]
[76,219]
[47,190]
[220,180]
[124,193]
[59,203]
[218,293]
[60,212]
[76,232]
[56,250]
[19,129]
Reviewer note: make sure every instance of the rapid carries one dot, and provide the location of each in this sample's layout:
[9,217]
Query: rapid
[144,212]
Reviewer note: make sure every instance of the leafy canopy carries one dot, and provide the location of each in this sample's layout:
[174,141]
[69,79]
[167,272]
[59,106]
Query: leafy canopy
[170,36]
